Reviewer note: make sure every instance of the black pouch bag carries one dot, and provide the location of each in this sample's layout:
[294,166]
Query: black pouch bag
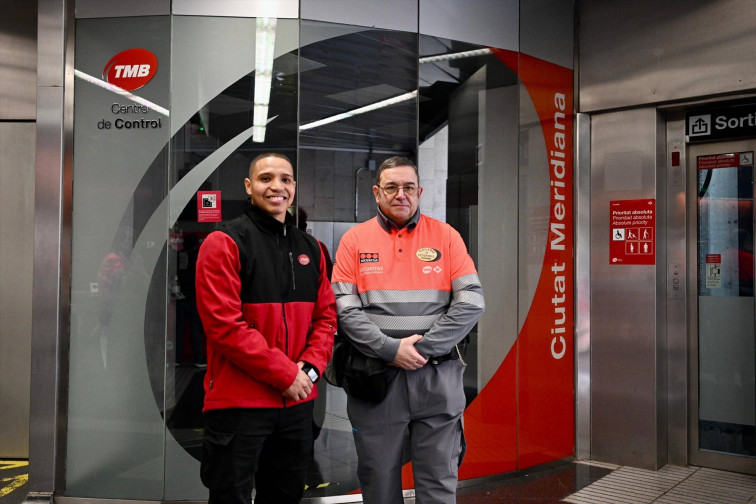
[360,376]
[334,372]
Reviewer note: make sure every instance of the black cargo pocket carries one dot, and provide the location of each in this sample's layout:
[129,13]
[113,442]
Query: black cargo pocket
[217,468]
[460,447]
[463,446]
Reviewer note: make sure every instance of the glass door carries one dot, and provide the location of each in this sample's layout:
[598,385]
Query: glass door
[723,394]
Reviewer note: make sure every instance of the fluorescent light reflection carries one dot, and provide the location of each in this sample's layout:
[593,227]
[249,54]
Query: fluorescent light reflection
[453,56]
[120,91]
[396,99]
[265,42]
[361,110]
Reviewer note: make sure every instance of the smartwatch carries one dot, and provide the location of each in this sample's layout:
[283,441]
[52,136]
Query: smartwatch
[311,371]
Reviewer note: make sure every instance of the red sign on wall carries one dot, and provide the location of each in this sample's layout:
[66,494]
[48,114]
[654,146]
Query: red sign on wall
[131,69]
[632,232]
[208,206]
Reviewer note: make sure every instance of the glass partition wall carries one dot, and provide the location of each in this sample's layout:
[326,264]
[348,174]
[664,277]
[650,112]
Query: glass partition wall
[118,341]
[156,169]
[235,97]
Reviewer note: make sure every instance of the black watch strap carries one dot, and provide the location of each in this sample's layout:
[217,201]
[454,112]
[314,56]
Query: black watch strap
[311,371]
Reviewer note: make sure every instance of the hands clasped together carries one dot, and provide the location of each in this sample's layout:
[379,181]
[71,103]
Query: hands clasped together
[407,357]
[301,388]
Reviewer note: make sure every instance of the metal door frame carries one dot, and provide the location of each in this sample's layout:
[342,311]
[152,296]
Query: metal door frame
[698,457]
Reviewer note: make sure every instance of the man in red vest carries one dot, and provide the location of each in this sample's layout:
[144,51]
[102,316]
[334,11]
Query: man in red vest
[269,315]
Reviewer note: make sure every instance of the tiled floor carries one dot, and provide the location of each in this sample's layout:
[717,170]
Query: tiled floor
[562,482]
[544,485]
[670,485]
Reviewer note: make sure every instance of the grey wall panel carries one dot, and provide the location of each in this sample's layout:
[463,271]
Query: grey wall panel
[47,324]
[492,23]
[51,287]
[237,8]
[583,287]
[16,248]
[51,39]
[119,8]
[389,14]
[547,30]
[18,67]
[677,316]
[686,48]
[661,387]
[624,338]
[18,60]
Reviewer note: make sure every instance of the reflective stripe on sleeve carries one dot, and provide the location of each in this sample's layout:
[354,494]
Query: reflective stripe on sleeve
[469,297]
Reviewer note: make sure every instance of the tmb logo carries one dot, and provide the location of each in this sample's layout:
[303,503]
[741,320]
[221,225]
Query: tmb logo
[131,69]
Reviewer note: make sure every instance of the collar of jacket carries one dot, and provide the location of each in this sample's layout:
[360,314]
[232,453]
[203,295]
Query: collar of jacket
[268,223]
[387,224]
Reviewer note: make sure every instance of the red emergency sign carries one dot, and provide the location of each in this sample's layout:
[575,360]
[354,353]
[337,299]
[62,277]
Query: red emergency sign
[209,206]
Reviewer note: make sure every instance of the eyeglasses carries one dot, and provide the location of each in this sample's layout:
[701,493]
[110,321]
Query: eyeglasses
[391,189]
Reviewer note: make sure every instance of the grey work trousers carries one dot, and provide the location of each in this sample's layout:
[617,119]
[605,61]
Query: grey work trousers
[428,403]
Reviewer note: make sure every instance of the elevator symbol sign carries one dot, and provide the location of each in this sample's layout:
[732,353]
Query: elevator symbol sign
[632,228]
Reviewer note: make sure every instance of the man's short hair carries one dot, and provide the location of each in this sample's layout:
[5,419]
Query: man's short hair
[394,162]
[269,154]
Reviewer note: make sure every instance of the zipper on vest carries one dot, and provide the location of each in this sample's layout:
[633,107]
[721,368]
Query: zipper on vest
[283,298]
[293,278]
[286,334]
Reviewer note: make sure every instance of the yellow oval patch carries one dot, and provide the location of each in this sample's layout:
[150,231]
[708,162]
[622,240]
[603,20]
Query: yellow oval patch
[427,254]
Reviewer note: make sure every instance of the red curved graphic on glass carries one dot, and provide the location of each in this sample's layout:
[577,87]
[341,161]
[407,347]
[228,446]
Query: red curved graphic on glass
[524,416]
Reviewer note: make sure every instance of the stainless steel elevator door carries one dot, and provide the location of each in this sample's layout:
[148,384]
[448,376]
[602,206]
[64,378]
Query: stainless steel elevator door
[723,314]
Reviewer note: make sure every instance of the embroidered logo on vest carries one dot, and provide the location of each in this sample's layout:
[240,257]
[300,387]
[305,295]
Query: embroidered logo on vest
[427,254]
[368,257]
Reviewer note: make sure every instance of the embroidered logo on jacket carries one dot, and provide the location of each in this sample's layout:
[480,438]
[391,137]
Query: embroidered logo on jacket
[368,257]
[428,254]
[303,259]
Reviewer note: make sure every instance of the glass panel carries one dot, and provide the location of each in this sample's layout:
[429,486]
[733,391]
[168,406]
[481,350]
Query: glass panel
[217,92]
[467,102]
[727,394]
[469,137]
[115,403]
[468,133]
[358,106]
[145,195]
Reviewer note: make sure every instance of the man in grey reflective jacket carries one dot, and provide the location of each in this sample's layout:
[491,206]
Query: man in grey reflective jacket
[407,292]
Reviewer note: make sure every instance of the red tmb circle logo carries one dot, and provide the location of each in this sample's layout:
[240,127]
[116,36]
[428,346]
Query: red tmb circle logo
[131,69]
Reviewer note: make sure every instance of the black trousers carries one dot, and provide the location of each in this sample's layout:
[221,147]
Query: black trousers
[268,449]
